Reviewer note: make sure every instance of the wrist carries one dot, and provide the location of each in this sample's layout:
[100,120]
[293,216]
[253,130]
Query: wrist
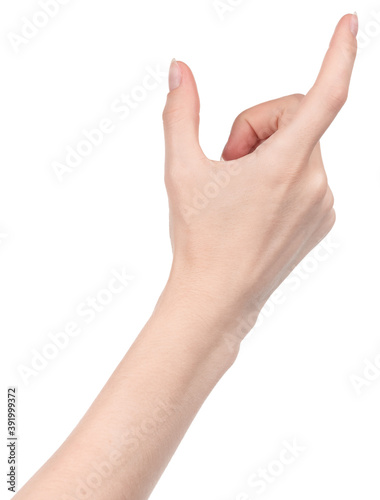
[209,312]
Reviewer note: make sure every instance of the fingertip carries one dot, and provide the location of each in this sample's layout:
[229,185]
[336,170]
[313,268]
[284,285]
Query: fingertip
[186,73]
[237,146]
[188,86]
[175,75]
[354,24]
[242,139]
[183,90]
[227,154]
[348,25]
[180,75]
[351,23]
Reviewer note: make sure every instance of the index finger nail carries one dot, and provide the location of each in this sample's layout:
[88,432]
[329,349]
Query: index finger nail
[355,24]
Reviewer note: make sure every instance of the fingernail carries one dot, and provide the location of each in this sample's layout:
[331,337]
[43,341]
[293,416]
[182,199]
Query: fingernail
[354,24]
[175,76]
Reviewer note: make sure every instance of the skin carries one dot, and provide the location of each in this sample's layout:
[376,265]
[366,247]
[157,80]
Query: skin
[230,252]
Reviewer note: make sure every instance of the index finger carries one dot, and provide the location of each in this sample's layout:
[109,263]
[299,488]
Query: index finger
[330,91]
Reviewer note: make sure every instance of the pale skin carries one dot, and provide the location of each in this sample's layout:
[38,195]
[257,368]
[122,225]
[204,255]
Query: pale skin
[229,256]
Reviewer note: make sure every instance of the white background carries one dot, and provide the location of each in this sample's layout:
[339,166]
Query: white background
[60,241]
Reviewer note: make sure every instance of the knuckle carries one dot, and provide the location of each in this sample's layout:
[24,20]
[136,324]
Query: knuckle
[171,115]
[318,187]
[242,118]
[337,97]
[298,98]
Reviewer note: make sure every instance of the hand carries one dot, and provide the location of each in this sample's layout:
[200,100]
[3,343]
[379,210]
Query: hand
[239,227]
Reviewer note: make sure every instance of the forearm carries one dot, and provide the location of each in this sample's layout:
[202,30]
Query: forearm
[124,442]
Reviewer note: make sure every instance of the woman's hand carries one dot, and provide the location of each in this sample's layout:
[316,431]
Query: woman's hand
[239,227]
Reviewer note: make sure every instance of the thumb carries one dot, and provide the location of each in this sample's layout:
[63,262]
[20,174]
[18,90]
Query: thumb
[181,114]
